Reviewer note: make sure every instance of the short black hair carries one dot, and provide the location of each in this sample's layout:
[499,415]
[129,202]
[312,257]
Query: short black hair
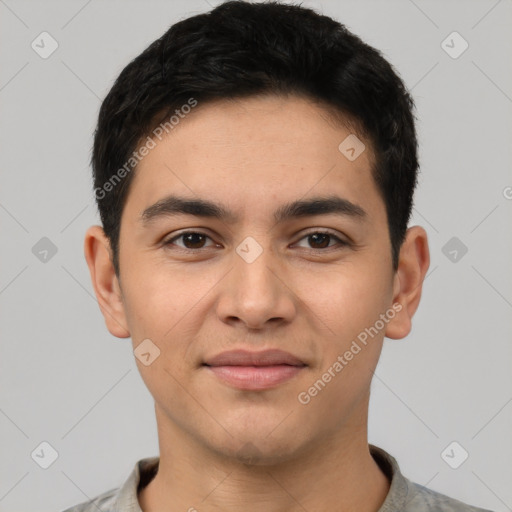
[241,49]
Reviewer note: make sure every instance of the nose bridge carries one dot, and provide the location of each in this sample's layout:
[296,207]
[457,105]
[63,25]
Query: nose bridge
[252,261]
[254,293]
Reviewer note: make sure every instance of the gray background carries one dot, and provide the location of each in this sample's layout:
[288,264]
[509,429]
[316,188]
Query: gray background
[65,380]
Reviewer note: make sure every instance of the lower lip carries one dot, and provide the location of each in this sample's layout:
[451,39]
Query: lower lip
[255,378]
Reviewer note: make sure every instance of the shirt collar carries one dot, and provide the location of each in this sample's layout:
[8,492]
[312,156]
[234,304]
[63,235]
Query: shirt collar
[143,472]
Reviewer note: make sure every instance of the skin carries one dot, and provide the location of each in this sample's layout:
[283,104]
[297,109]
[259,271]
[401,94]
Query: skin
[223,448]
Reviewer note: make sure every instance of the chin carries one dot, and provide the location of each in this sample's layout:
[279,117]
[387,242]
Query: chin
[253,455]
[257,448]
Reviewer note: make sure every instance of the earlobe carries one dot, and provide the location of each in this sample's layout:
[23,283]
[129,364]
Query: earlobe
[106,286]
[413,264]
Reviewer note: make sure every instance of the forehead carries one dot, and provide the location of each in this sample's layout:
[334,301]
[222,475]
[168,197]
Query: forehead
[252,152]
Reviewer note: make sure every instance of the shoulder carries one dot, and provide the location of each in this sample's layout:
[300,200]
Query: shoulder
[104,501]
[123,498]
[407,496]
[422,499]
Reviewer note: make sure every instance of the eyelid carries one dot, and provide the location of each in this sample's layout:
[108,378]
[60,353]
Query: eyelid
[325,231]
[170,240]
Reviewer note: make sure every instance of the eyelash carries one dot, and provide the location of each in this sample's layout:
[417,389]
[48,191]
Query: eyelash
[341,242]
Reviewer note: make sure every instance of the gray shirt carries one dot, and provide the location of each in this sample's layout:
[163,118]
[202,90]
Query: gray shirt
[403,495]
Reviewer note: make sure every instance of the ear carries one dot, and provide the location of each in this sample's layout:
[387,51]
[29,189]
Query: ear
[413,264]
[106,285]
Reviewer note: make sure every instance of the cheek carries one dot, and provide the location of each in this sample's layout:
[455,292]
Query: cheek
[169,306]
[347,300]
[158,297]
[349,307]
[159,303]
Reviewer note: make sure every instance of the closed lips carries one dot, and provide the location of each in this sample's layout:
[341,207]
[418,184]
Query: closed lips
[247,358]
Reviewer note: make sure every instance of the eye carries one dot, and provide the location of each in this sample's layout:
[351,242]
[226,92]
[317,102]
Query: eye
[321,239]
[191,240]
[195,240]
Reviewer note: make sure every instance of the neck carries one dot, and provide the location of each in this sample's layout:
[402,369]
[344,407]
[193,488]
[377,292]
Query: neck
[332,474]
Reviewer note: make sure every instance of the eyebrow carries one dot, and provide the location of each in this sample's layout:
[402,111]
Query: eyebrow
[174,205]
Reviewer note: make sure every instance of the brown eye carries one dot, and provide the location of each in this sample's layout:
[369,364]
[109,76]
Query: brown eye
[319,240]
[190,240]
[322,240]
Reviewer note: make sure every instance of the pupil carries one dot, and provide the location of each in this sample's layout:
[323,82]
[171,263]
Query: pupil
[190,238]
[323,236]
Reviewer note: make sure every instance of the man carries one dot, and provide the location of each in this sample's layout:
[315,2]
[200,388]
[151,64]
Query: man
[254,170]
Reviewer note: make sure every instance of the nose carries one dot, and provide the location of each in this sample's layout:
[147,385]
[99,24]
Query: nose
[256,292]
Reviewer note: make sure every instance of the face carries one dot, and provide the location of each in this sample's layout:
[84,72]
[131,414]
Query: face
[293,291]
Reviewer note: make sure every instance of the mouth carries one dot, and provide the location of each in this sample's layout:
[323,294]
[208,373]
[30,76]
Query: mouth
[254,371]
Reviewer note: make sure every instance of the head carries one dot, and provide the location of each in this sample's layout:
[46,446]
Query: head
[244,115]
